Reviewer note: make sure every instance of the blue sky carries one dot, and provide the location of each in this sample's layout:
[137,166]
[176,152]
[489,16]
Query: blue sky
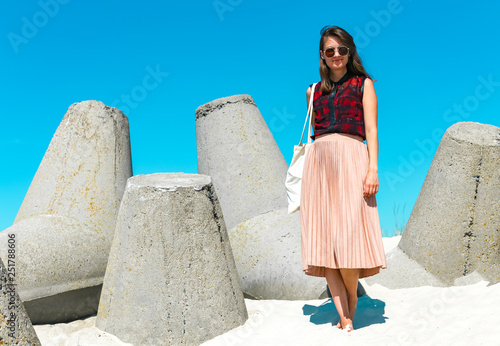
[435,64]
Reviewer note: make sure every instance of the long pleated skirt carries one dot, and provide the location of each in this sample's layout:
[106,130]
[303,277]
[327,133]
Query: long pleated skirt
[340,227]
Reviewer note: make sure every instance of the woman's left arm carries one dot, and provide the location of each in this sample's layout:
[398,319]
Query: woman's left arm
[370,185]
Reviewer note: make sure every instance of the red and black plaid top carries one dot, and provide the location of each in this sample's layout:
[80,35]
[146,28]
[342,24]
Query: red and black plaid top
[342,109]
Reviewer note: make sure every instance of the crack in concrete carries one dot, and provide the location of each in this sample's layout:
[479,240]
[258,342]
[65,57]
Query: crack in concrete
[210,192]
[469,235]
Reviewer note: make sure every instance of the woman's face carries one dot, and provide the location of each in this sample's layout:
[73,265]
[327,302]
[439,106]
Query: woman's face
[337,61]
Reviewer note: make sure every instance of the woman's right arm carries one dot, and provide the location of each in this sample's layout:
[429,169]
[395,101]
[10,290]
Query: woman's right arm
[308,93]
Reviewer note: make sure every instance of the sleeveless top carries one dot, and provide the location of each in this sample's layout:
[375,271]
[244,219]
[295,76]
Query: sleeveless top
[342,109]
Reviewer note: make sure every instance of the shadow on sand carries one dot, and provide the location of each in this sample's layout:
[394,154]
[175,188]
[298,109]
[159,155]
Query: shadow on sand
[369,311]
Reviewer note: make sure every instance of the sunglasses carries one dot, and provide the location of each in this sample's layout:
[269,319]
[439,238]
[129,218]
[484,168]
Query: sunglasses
[343,51]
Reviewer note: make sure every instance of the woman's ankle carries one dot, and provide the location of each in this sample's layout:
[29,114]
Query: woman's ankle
[345,321]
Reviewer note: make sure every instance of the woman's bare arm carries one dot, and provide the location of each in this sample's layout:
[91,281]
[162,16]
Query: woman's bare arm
[371,183]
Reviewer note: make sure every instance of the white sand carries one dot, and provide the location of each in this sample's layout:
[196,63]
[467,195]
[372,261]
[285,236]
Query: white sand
[463,315]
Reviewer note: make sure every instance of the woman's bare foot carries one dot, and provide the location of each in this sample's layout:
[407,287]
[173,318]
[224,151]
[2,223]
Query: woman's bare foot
[339,326]
[346,324]
[348,329]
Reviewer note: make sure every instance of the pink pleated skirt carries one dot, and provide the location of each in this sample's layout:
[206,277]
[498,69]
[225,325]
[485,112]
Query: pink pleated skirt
[340,227]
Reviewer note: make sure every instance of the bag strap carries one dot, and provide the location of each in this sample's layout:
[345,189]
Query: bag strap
[308,116]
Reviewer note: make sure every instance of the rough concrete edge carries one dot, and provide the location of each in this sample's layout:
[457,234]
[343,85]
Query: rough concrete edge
[205,109]
[75,107]
[233,275]
[204,180]
[450,131]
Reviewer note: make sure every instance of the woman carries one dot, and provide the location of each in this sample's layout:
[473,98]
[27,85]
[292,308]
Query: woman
[341,237]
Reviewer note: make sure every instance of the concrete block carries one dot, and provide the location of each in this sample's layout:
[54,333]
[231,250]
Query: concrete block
[171,277]
[85,168]
[15,325]
[453,229]
[267,252]
[403,272]
[236,148]
[66,222]
[58,255]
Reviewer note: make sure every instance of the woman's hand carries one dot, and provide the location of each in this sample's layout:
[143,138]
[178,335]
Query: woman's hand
[370,185]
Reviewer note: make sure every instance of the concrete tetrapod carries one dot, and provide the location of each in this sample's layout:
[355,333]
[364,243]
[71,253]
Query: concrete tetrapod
[171,277]
[403,272]
[236,148]
[66,222]
[15,325]
[453,230]
[267,252]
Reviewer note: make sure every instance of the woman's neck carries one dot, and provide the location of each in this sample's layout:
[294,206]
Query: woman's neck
[337,75]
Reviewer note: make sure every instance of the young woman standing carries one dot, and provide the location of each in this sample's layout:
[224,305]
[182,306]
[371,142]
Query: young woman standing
[341,236]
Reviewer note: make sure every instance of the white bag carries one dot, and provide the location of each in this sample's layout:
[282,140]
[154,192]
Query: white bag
[294,173]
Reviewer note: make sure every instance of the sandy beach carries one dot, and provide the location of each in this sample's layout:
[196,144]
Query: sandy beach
[459,315]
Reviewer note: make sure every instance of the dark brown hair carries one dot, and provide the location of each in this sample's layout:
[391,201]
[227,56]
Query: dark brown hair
[354,64]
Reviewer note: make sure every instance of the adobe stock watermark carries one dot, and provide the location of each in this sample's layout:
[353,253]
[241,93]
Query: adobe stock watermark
[373,28]
[264,139]
[223,6]
[31,26]
[281,119]
[460,111]
[151,80]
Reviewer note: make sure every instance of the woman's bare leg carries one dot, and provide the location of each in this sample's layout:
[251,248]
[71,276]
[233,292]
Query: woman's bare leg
[350,279]
[339,295]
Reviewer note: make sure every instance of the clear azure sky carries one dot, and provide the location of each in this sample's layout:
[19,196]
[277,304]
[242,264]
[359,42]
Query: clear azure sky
[435,63]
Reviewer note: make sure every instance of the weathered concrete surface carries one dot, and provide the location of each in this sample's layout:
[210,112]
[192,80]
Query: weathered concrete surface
[15,325]
[56,255]
[236,148]
[403,272]
[66,222]
[84,170]
[267,252]
[171,277]
[453,229]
